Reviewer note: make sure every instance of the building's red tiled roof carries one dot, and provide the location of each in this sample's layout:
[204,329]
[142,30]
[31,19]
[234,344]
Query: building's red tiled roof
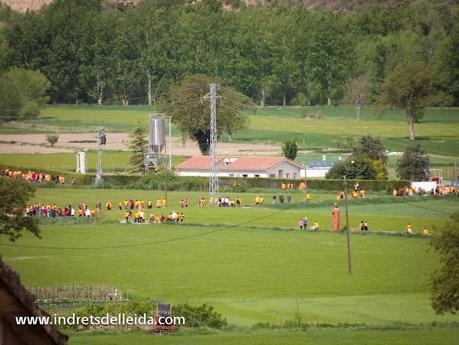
[197,163]
[238,164]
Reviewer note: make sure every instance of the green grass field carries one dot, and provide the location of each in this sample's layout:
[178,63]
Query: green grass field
[251,265]
[437,132]
[429,336]
[113,161]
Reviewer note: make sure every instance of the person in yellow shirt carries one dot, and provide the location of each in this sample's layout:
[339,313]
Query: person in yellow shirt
[315,226]
[262,200]
[257,200]
[149,204]
[127,214]
[425,232]
[163,202]
[158,203]
[308,197]
[137,216]
[302,186]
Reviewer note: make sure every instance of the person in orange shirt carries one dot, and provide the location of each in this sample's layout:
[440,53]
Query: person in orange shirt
[335,218]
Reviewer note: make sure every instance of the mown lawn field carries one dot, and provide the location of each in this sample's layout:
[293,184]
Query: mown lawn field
[382,211]
[252,265]
[428,336]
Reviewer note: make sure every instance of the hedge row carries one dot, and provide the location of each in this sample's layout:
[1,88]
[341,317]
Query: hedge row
[231,184]
[176,183]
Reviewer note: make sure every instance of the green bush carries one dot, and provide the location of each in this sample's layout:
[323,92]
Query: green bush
[200,316]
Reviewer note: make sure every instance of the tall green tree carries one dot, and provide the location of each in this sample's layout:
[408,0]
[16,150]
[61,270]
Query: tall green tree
[414,164]
[445,282]
[191,114]
[16,192]
[126,58]
[357,94]
[155,22]
[408,87]
[329,57]
[367,161]
[256,51]
[290,149]
[22,93]
[138,145]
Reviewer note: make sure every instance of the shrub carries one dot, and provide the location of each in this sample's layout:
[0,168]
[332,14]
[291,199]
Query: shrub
[200,316]
[52,139]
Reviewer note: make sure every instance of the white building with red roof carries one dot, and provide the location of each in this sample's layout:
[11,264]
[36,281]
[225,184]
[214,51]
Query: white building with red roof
[264,167]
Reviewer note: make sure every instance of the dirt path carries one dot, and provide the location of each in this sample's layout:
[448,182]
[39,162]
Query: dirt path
[71,142]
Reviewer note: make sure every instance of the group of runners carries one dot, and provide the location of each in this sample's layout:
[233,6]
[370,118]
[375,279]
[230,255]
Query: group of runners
[139,217]
[53,211]
[33,176]
[138,204]
[437,191]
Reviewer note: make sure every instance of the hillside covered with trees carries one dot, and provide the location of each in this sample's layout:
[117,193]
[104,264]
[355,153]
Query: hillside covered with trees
[279,54]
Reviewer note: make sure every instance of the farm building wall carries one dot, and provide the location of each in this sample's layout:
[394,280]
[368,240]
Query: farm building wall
[284,170]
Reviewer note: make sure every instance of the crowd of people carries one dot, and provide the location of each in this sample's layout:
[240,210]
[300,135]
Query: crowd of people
[437,191]
[139,217]
[354,194]
[53,211]
[33,176]
[138,204]
[281,199]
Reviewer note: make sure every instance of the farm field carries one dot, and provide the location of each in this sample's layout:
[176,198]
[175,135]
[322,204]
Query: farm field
[114,161]
[315,128]
[384,210]
[435,131]
[309,337]
[251,265]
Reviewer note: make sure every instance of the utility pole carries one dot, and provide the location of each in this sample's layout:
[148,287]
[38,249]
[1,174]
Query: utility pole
[213,178]
[455,171]
[305,178]
[349,262]
[170,143]
[101,141]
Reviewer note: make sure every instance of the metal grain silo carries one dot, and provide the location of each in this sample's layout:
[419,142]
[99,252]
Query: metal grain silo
[156,138]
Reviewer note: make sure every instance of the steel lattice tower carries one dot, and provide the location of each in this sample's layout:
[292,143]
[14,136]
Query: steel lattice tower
[101,140]
[213,179]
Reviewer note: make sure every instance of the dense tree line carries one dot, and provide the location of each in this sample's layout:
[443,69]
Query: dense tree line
[93,51]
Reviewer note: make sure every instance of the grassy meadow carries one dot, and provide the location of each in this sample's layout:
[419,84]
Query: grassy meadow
[252,265]
[315,128]
[113,161]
